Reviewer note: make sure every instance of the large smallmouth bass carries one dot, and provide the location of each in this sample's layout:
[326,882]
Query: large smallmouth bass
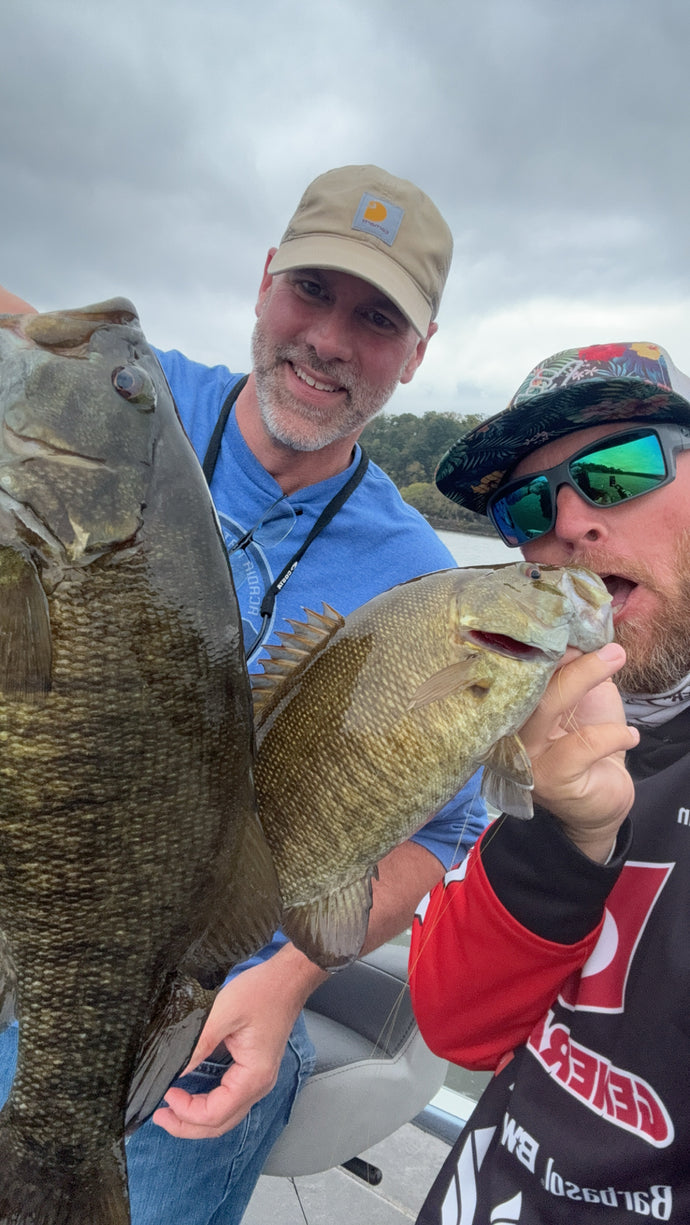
[127,810]
[368,725]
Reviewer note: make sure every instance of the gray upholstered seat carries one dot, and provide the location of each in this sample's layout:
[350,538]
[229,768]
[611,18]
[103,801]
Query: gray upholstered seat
[374,1071]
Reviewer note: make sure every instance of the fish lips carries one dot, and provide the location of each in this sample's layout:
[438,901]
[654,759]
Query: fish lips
[514,648]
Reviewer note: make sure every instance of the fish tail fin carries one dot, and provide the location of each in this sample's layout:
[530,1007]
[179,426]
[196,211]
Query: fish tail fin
[65,1192]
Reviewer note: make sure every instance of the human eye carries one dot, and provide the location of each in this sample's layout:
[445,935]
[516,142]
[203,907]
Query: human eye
[382,320]
[308,285]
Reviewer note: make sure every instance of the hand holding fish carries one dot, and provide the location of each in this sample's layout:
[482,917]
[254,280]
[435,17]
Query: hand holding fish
[577,739]
[252,1015]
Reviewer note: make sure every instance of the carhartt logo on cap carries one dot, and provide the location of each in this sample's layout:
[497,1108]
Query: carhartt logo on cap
[378,217]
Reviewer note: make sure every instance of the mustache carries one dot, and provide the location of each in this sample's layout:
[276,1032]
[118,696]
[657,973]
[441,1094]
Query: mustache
[337,371]
[629,568]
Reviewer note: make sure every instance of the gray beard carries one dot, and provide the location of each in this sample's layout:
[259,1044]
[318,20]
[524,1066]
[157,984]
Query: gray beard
[364,402]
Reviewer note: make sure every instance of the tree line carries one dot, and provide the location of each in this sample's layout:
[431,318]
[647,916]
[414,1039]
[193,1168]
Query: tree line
[408,448]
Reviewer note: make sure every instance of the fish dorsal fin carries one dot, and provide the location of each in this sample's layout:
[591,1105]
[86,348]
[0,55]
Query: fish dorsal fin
[507,781]
[288,658]
[463,674]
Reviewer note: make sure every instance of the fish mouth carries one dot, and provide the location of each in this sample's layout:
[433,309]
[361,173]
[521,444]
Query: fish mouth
[503,644]
[26,447]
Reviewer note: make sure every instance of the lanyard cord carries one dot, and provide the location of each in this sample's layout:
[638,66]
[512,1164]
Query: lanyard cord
[211,456]
[327,514]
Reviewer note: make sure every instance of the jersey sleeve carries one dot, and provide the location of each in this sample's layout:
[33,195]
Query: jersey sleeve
[480,977]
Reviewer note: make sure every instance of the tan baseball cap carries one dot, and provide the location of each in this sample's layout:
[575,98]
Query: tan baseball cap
[362,220]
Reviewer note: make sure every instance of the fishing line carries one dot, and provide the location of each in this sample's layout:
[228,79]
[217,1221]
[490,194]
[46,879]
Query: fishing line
[299,1201]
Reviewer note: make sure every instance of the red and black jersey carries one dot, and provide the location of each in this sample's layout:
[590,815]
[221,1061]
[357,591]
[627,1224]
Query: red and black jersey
[572,981]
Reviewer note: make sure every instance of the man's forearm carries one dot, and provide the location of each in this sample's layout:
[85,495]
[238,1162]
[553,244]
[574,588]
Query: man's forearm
[405,876]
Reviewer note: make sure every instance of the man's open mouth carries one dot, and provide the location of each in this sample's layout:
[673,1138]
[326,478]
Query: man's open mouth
[619,589]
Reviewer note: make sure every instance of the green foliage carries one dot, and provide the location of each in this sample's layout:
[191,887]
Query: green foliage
[441,512]
[408,448]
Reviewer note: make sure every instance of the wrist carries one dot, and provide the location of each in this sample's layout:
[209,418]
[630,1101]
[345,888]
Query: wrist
[597,844]
[296,974]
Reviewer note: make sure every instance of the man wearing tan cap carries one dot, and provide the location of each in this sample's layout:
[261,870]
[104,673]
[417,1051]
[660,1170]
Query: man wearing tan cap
[346,308]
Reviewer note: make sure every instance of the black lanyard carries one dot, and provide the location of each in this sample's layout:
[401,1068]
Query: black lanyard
[211,456]
[328,512]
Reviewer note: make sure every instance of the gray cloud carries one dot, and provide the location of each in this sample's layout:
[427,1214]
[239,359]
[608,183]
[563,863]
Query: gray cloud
[157,149]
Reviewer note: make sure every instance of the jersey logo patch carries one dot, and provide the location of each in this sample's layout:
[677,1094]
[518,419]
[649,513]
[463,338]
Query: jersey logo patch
[600,985]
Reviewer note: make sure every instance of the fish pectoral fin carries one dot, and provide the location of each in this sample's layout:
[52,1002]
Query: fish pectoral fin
[177,1021]
[507,780]
[26,647]
[247,914]
[295,651]
[330,930]
[463,674]
[8,984]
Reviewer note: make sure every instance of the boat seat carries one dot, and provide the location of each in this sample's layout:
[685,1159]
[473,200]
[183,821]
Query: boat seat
[373,1073]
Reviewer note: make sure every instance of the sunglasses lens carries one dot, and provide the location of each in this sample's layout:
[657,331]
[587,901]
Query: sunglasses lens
[524,512]
[616,472]
[605,475]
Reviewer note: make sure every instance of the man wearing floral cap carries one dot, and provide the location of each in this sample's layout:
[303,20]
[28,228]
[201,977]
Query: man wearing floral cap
[558,957]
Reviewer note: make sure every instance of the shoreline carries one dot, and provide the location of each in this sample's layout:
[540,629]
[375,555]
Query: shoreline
[452,525]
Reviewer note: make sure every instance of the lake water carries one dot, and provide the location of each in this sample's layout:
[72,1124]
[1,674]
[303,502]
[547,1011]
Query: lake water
[471,550]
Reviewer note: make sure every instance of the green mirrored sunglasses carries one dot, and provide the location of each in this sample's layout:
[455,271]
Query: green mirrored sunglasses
[605,473]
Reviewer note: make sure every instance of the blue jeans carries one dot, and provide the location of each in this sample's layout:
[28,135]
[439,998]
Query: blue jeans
[201,1182]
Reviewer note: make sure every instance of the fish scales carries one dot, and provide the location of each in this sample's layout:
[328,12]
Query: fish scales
[127,814]
[381,722]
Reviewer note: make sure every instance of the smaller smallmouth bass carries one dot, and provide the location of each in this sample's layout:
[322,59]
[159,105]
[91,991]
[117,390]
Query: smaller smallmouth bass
[367,725]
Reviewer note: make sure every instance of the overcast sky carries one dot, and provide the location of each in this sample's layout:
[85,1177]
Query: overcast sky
[157,149]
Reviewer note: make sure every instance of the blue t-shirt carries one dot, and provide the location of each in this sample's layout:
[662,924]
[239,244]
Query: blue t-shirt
[373,542]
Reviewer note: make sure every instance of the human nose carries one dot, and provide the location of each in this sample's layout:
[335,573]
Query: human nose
[328,334]
[578,527]
[577,521]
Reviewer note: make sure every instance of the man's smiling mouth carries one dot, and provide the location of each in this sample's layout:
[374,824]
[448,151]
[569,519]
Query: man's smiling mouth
[312,382]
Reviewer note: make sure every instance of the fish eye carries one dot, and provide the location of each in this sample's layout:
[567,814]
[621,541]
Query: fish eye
[534,573]
[134,385]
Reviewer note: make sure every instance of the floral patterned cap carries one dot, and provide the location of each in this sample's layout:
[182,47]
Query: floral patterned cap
[630,381]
